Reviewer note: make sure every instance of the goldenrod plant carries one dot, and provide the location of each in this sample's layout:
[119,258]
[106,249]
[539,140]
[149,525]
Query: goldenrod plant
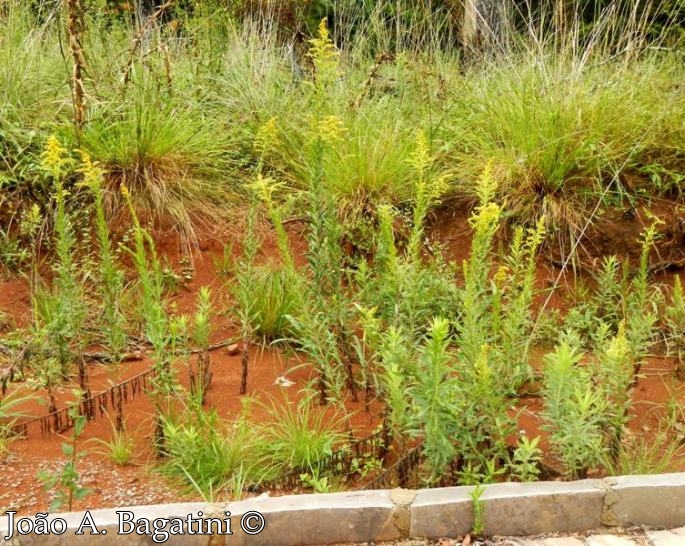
[62,312]
[675,323]
[201,376]
[641,303]
[473,328]
[573,411]
[111,283]
[157,323]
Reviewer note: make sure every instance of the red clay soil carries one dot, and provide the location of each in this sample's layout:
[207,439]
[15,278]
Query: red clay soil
[140,483]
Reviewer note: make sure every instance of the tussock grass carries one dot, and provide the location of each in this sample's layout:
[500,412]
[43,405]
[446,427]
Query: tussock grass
[557,116]
[556,132]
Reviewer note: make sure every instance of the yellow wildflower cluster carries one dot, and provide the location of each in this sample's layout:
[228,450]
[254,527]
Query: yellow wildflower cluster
[264,187]
[487,184]
[91,171]
[329,129]
[267,136]
[430,189]
[501,276]
[420,158]
[487,217]
[324,56]
[537,234]
[54,158]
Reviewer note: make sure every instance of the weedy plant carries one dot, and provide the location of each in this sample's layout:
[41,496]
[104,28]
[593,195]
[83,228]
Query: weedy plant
[675,325]
[111,283]
[62,309]
[64,484]
[157,324]
[244,296]
[213,456]
[574,411]
[613,370]
[298,435]
[524,465]
[201,379]
[120,448]
[641,304]
[436,399]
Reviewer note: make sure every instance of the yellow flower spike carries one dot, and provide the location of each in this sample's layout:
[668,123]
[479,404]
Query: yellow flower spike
[420,158]
[323,30]
[487,215]
[487,184]
[324,56]
[54,157]
[330,129]
[124,190]
[500,277]
[264,187]
[92,173]
[267,136]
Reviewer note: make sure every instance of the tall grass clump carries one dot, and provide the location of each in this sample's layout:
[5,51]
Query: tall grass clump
[170,156]
[210,456]
[559,121]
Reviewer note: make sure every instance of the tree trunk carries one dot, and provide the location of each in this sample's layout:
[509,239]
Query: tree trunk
[486,26]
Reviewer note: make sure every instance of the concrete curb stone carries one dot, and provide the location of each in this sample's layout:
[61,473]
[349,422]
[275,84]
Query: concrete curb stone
[508,509]
[631,500]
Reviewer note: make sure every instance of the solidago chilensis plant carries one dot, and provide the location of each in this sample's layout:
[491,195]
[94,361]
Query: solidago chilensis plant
[613,376]
[326,60]
[640,309]
[157,324]
[264,188]
[111,283]
[474,329]
[573,411]
[518,290]
[428,191]
[435,397]
[323,326]
[64,305]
